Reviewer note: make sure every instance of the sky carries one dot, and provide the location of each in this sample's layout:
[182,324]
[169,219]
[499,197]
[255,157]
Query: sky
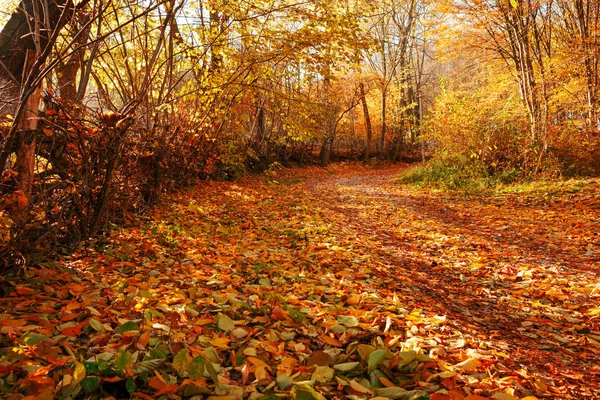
[6,9]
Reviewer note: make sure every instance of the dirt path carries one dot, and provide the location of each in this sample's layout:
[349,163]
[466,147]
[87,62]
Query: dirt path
[319,284]
[516,274]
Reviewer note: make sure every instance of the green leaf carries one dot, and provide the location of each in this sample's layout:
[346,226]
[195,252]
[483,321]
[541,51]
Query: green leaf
[364,350]
[96,325]
[146,294]
[33,338]
[345,367]
[396,393]
[406,357]
[225,323]
[265,282]
[196,368]
[123,361]
[284,381]
[375,358]
[148,366]
[423,358]
[90,384]
[130,385]
[127,326]
[322,374]
[182,361]
[348,321]
[212,372]
[305,392]
[192,389]
[91,367]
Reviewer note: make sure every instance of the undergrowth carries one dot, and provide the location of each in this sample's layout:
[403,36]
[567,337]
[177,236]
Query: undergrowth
[476,180]
[470,179]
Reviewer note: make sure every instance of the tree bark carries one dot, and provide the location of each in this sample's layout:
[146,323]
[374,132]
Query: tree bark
[365,107]
[16,36]
[26,144]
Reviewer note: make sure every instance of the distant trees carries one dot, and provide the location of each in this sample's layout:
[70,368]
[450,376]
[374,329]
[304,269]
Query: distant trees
[117,102]
[549,49]
[122,101]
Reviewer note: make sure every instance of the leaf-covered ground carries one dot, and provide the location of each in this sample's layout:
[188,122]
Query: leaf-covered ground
[316,284]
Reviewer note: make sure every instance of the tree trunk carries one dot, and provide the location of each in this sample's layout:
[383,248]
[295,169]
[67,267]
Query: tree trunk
[383,120]
[26,143]
[16,36]
[325,153]
[365,107]
[67,70]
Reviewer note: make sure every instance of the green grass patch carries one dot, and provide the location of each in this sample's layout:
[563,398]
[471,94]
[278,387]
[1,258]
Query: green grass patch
[476,180]
[548,187]
[447,177]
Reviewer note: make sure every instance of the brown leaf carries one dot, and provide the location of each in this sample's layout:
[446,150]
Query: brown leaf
[319,358]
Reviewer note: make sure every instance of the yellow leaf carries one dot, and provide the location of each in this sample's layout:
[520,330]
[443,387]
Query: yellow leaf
[469,365]
[359,388]
[220,343]
[541,386]
[79,372]
[257,362]
[503,396]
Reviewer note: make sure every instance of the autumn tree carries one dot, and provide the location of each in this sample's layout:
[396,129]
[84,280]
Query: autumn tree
[577,33]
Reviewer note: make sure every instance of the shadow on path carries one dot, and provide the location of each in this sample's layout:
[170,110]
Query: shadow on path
[517,276]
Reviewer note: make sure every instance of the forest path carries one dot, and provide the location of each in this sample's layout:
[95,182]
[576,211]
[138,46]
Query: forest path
[320,283]
[516,273]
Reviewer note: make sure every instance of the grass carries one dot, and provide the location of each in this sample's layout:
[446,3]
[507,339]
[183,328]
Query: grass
[474,180]
[446,177]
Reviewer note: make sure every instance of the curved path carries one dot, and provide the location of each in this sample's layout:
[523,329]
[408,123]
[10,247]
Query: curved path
[320,284]
[518,274]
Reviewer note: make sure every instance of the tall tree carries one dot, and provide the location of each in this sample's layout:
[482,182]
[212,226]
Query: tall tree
[26,41]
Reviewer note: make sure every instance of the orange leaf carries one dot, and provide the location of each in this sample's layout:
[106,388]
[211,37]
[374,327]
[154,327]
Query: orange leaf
[76,287]
[261,373]
[169,389]
[25,290]
[386,382]
[330,341]
[113,379]
[456,395]
[22,199]
[69,317]
[141,395]
[13,322]
[439,396]
[449,382]
[475,397]
[72,306]
[73,331]
[143,340]
[157,383]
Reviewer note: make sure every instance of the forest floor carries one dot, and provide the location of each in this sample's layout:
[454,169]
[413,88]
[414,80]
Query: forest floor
[320,284]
